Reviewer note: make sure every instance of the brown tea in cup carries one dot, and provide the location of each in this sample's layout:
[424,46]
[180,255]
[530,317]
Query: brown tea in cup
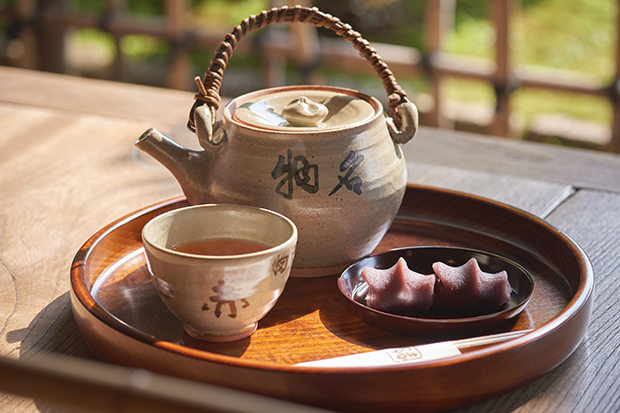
[220,246]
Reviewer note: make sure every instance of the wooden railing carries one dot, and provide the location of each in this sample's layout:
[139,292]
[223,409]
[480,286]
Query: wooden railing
[38,28]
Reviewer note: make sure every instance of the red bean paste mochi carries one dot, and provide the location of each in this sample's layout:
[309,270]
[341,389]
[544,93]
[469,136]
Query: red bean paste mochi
[401,290]
[469,288]
[398,289]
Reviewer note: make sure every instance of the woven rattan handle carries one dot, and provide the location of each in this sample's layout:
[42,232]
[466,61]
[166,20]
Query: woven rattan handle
[209,88]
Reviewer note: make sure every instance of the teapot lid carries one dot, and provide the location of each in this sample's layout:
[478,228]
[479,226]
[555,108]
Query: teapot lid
[301,108]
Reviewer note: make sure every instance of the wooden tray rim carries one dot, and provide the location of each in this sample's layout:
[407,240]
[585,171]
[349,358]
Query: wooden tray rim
[81,291]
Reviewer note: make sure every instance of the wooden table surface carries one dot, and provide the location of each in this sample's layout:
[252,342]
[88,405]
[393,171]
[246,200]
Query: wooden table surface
[68,167]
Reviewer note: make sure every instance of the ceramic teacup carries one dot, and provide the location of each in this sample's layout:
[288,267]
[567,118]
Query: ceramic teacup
[220,268]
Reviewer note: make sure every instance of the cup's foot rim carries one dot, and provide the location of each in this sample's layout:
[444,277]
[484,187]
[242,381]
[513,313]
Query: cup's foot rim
[246,332]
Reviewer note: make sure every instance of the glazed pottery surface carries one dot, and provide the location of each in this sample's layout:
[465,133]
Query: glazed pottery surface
[219,297]
[341,181]
[326,157]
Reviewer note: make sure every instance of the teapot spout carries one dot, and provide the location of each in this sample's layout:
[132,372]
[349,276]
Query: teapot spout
[189,167]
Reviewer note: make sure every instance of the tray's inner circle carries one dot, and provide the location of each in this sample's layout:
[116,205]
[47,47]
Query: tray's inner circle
[308,306]
[123,320]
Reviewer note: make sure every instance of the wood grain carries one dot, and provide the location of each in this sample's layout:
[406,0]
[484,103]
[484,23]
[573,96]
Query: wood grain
[74,94]
[165,109]
[104,388]
[49,193]
[168,111]
[68,168]
[312,321]
[79,195]
[62,177]
[536,197]
[570,166]
[588,380]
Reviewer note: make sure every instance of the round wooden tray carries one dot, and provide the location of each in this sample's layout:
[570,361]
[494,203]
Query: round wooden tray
[123,320]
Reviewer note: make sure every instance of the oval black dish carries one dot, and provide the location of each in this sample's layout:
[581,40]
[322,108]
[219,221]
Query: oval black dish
[437,321]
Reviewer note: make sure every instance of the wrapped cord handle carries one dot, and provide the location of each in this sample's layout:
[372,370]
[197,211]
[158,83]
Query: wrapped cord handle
[209,88]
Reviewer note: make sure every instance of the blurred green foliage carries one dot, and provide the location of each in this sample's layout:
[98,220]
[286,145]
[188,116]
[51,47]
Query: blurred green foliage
[386,21]
[575,35]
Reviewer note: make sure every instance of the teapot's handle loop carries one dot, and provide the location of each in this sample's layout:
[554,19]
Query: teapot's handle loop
[210,137]
[209,88]
[404,124]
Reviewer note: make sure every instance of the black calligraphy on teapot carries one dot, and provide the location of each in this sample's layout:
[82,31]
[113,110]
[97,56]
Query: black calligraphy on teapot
[298,171]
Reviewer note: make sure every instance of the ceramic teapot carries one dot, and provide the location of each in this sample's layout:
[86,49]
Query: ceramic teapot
[326,157]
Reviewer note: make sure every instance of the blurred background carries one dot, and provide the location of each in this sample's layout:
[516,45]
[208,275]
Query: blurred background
[543,70]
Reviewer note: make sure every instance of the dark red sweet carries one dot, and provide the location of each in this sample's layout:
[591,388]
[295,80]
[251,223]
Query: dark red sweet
[401,290]
[469,288]
[398,289]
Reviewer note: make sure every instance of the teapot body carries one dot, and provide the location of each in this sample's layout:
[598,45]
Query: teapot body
[341,185]
[325,157]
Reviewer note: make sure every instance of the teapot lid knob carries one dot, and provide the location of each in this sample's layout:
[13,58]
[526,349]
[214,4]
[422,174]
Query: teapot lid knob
[303,112]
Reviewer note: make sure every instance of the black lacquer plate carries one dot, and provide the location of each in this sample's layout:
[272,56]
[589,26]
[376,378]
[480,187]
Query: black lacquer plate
[437,320]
